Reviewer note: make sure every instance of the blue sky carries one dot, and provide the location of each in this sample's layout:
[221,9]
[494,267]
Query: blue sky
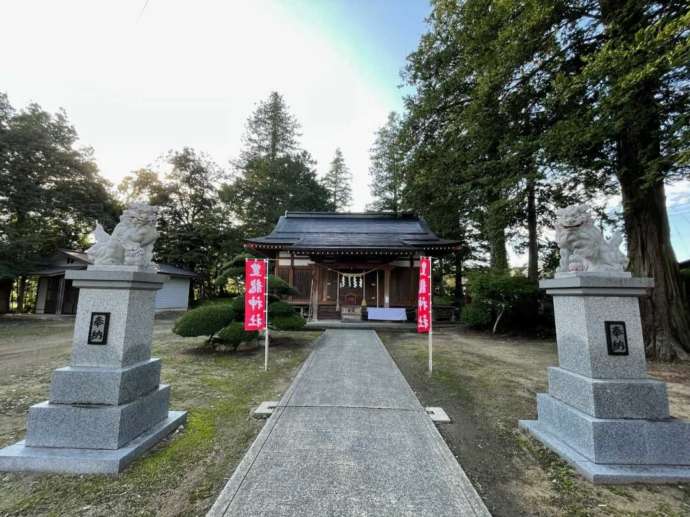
[137,84]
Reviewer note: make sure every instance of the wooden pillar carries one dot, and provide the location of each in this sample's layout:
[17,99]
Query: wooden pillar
[291,273]
[410,301]
[316,275]
[387,286]
[61,296]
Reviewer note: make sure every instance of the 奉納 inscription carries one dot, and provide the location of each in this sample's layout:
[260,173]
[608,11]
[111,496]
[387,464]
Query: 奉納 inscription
[98,328]
[616,338]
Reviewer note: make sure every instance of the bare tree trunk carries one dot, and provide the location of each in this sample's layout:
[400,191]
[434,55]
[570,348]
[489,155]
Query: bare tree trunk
[5,292]
[532,243]
[665,319]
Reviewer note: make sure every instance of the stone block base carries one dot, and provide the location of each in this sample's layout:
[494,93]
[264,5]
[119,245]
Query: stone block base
[111,386]
[604,398]
[95,427]
[20,458]
[616,441]
[600,473]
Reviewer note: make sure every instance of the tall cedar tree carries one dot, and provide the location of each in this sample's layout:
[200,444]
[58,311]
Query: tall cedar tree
[338,183]
[590,92]
[51,193]
[622,99]
[386,170]
[273,174]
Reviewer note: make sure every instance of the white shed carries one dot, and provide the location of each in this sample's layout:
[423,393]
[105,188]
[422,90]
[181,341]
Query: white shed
[56,295]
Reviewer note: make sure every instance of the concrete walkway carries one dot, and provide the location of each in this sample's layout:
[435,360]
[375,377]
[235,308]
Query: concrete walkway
[349,438]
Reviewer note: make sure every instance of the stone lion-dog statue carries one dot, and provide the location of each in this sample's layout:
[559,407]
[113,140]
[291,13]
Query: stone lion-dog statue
[583,246]
[132,240]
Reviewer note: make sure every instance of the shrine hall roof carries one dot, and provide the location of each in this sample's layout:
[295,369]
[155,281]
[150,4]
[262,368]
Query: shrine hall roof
[334,232]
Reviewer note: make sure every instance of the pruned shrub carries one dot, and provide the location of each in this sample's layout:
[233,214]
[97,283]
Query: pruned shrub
[279,287]
[234,334]
[293,322]
[206,320]
[280,309]
[237,304]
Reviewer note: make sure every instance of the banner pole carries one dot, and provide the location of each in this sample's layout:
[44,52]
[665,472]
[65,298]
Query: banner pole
[266,320]
[431,321]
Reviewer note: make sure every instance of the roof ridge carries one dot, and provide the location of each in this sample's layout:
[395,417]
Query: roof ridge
[344,215]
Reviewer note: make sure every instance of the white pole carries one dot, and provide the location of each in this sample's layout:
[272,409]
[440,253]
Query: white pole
[266,309]
[431,320]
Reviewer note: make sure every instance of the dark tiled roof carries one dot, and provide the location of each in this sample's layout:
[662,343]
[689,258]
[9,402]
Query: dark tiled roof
[329,231]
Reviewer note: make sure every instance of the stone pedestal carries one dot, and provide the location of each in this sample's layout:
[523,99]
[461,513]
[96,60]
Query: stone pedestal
[108,406]
[603,414]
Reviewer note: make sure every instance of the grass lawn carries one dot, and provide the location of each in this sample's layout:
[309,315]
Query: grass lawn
[182,475]
[486,385]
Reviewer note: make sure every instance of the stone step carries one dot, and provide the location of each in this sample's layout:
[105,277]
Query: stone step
[110,386]
[610,398]
[616,441]
[95,426]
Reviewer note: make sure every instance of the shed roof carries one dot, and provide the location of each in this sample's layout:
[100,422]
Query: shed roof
[83,260]
[333,232]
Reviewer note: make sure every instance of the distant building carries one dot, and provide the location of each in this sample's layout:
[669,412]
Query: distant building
[56,295]
[346,264]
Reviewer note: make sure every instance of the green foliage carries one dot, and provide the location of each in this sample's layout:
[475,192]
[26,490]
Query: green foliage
[279,287]
[195,233]
[273,175]
[206,320]
[280,309]
[498,293]
[51,192]
[386,170]
[476,315]
[338,183]
[238,305]
[294,322]
[234,334]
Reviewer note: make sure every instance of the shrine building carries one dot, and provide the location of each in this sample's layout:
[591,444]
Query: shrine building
[351,265]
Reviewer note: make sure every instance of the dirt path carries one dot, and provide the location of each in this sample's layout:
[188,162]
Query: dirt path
[486,385]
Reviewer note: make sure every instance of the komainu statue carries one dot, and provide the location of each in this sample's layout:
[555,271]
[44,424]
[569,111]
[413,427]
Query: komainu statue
[132,241]
[583,246]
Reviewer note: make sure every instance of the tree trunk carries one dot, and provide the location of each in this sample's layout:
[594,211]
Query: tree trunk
[458,295]
[5,292]
[532,243]
[665,316]
[497,249]
[21,293]
[665,320]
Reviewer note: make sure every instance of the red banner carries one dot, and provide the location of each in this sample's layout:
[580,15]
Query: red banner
[424,296]
[255,280]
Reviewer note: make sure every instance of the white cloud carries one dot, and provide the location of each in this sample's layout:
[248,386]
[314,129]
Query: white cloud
[186,73]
